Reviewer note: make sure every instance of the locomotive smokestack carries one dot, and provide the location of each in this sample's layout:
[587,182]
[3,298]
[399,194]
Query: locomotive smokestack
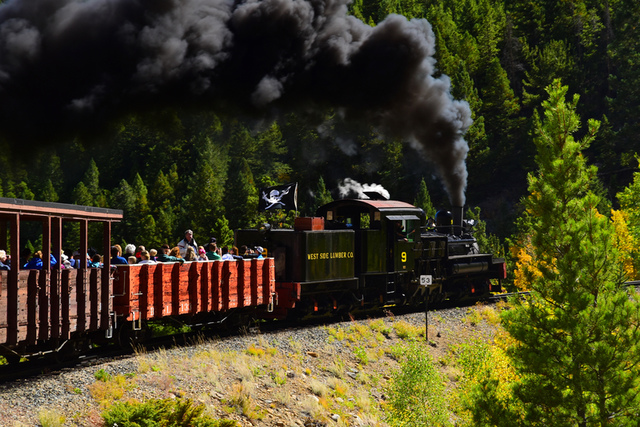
[457,212]
[73,67]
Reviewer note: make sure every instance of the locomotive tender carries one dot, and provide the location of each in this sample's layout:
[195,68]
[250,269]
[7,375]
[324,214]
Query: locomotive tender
[354,253]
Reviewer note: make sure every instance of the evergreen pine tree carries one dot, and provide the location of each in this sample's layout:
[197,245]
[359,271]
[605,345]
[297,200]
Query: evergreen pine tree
[576,336]
[322,195]
[91,180]
[123,198]
[201,206]
[24,192]
[423,200]
[9,190]
[223,233]
[48,176]
[140,231]
[161,200]
[81,195]
[242,194]
[48,193]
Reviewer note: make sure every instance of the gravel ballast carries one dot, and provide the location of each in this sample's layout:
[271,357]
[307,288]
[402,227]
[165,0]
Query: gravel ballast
[293,377]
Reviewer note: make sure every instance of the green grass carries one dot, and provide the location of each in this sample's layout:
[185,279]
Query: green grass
[162,413]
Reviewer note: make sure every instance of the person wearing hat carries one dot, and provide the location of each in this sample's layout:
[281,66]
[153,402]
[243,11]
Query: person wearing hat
[186,242]
[259,251]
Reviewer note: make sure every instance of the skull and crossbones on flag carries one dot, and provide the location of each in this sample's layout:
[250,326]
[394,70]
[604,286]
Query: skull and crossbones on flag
[279,197]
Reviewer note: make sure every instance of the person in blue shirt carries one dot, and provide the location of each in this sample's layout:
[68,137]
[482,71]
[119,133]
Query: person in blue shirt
[35,263]
[96,261]
[115,256]
[259,250]
[5,260]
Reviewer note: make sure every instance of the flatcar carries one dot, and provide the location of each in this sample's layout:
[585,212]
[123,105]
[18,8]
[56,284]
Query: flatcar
[65,311]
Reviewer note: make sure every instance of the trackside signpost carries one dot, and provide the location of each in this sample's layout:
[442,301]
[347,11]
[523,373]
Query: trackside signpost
[426,280]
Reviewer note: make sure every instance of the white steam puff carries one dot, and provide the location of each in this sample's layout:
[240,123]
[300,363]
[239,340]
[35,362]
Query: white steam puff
[72,67]
[350,188]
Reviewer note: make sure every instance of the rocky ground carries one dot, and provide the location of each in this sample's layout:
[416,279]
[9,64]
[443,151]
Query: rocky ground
[314,376]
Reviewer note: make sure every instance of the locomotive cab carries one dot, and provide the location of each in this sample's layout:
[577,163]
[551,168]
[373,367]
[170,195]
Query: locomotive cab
[387,244]
[387,233]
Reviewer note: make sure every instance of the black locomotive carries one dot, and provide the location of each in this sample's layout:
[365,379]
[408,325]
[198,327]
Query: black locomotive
[375,252]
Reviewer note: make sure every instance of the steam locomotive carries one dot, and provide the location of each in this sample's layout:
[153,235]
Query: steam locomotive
[353,254]
[360,253]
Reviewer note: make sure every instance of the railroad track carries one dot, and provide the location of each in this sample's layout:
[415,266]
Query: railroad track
[506,296]
[52,363]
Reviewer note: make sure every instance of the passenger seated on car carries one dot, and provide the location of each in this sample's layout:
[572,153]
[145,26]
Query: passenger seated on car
[35,263]
[145,258]
[226,256]
[190,254]
[213,253]
[64,261]
[175,251]
[129,250]
[165,255]
[233,250]
[5,260]
[115,256]
[259,250]
[96,261]
[139,251]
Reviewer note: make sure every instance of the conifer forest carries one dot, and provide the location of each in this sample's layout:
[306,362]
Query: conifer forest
[177,165]
[524,111]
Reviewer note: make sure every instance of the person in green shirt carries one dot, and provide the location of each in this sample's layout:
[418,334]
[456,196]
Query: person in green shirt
[213,253]
[165,257]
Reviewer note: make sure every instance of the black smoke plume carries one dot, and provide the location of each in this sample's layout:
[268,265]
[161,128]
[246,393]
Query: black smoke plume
[68,67]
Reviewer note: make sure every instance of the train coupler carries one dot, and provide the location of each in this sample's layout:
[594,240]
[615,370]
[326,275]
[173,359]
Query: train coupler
[358,300]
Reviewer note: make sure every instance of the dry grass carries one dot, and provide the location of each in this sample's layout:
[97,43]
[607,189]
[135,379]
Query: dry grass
[407,331]
[319,388]
[50,418]
[261,383]
[106,392]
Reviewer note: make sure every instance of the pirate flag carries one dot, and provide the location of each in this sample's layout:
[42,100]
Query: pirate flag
[279,197]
